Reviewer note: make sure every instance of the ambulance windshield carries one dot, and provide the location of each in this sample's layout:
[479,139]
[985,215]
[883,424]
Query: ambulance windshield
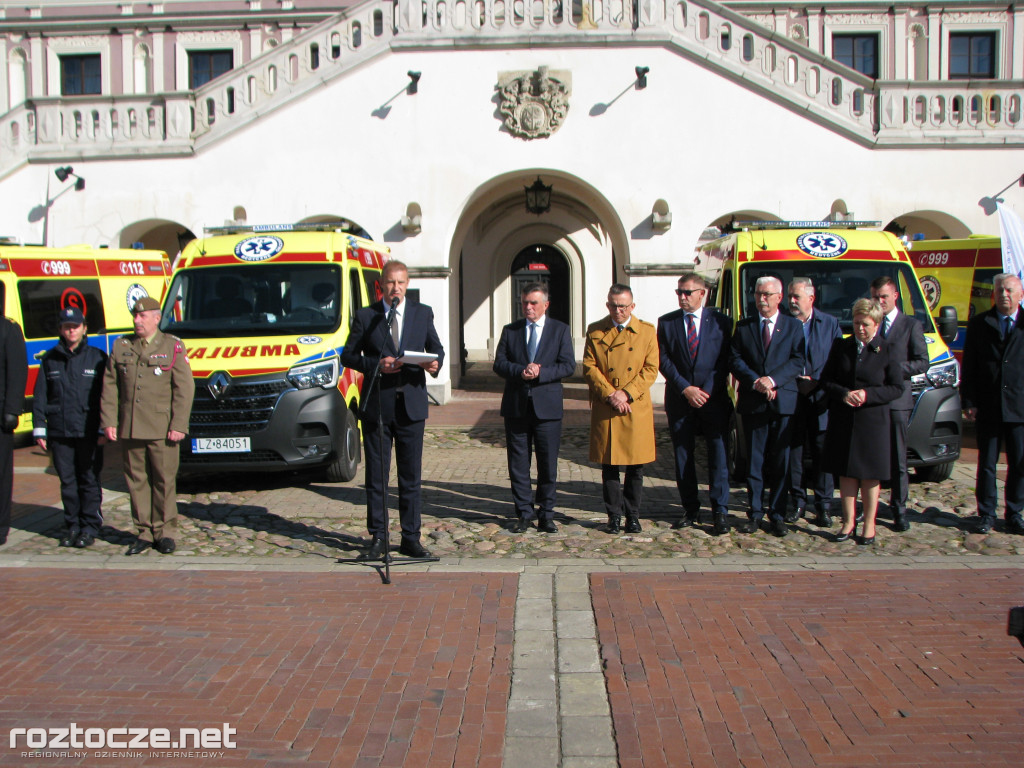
[838,284]
[273,298]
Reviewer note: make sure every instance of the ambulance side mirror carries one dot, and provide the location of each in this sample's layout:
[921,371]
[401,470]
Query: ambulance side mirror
[947,324]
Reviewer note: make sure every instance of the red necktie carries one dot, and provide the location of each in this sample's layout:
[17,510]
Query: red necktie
[691,336]
[766,334]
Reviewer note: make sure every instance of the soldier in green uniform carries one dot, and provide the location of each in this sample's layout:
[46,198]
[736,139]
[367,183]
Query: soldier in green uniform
[147,399]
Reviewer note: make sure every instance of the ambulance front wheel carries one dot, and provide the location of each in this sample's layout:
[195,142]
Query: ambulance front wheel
[344,467]
[935,473]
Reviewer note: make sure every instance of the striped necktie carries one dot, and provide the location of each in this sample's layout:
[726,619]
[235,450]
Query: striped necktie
[691,336]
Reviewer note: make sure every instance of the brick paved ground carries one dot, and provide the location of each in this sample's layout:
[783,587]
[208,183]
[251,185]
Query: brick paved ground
[311,669]
[826,669]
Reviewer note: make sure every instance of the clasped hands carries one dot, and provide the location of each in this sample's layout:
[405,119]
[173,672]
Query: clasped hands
[531,371]
[766,387]
[619,400]
[855,398]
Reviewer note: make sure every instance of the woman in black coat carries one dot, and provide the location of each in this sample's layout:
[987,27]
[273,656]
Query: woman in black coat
[860,382]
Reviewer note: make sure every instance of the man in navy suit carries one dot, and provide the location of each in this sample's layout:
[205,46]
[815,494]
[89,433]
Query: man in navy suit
[767,357]
[811,416]
[533,356]
[399,403]
[907,346]
[693,344]
[993,394]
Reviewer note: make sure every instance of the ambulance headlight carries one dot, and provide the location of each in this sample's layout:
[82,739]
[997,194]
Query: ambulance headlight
[944,374]
[323,374]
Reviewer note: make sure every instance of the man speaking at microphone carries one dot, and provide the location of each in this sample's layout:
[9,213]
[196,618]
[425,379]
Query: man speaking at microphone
[396,409]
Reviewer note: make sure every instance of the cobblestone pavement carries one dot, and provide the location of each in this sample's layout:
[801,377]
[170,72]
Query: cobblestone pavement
[468,507]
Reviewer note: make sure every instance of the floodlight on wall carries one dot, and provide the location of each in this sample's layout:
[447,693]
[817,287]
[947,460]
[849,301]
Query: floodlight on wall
[66,171]
[414,82]
[538,197]
[641,77]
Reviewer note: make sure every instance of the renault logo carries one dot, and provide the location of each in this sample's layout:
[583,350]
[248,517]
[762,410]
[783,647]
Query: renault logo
[218,385]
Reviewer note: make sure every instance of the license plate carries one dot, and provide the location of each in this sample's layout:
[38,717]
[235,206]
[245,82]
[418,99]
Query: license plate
[220,445]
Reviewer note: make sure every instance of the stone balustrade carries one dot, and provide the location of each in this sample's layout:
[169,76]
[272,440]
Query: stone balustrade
[785,71]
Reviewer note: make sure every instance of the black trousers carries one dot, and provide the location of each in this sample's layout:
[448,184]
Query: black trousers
[407,437]
[523,436]
[990,436]
[6,482]
[807,437]
[898,478]
[78,461]
[617,502]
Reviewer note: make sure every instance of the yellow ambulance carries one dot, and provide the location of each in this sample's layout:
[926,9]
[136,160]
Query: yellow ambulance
[958,274]
[36,283]
[264,313]
[841,261]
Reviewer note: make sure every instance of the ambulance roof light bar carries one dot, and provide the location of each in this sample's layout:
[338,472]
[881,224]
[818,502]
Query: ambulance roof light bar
[234,229]
[805,224]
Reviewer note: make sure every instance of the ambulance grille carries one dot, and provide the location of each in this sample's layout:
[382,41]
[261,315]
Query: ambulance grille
[242,410]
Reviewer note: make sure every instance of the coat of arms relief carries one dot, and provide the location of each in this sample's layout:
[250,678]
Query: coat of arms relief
[534,103]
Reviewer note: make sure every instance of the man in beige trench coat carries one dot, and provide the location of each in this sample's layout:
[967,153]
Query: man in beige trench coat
[620,363]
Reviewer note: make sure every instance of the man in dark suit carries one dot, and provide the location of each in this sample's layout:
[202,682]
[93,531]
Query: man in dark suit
[693,344]
[907,346]
[811,416]
[13,373]
[533,356]
[992,390]
[399,403]
[767,357]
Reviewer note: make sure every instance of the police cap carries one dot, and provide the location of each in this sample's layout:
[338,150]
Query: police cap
[71,316]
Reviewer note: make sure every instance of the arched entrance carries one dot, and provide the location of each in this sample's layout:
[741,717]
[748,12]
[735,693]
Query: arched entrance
[543,264]
[579,246]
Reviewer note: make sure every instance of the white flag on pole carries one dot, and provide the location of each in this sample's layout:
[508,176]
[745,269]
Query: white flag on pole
[1012,229]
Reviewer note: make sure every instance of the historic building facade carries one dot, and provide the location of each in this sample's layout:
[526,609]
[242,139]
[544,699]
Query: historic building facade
[423,123]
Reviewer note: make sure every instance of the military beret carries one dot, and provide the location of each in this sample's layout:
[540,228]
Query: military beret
[145,304]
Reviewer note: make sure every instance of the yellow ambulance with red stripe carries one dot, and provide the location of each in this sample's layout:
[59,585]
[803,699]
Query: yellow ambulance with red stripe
[958,273]
[264,313]
[36,283]
[842,260]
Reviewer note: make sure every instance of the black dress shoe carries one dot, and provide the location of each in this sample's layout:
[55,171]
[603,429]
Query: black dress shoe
[69,538]
[1015,525]
[721,526]
[824,520]
[900,522]
[633,525]
[614,524]
[521,526]
[984,525]
[794,514]
[138,547]
[84,540]
[413,549]
[546,526]
[750,526]
[166,545]
[376,550]
[779,528]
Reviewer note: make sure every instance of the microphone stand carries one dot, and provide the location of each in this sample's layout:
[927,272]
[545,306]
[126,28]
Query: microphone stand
[386,558]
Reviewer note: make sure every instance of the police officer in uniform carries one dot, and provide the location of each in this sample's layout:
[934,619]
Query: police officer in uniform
[13,373]
[66,422]
[147,399]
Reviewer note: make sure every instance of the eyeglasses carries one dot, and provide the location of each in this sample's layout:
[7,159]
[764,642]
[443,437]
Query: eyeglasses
[766,293]
[687,293]
[610,305]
